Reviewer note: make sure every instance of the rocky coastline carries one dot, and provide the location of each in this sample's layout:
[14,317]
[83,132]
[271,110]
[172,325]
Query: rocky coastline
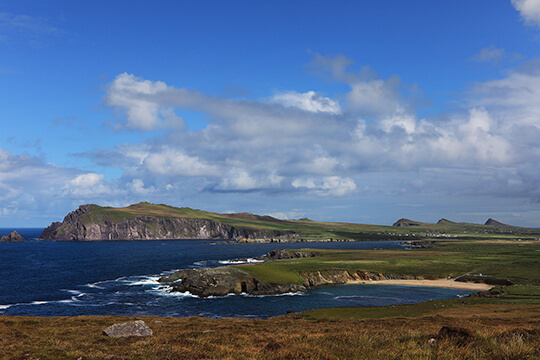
[225,280]
[77,227]
[144,227]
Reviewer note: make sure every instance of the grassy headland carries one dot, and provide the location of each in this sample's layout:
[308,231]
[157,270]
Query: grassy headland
[308,229]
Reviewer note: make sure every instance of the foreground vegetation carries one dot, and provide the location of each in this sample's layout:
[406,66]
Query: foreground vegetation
[278,338]
[308,229]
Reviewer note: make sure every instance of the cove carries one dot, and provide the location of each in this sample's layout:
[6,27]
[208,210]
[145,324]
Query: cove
[119,278]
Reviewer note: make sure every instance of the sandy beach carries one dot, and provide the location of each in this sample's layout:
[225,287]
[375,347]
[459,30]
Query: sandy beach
[445,283]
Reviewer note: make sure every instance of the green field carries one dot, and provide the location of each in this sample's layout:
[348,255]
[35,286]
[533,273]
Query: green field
[307,229]
[517,261]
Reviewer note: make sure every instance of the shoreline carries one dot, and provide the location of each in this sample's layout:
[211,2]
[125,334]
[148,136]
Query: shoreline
[443,283]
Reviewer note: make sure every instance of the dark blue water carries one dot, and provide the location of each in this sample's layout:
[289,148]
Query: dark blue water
[119,278]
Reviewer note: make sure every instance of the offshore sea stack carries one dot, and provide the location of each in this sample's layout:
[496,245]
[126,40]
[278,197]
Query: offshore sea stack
[13,237]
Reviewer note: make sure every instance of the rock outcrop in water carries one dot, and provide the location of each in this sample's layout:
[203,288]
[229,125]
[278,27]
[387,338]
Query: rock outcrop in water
[104,226]
[13,237]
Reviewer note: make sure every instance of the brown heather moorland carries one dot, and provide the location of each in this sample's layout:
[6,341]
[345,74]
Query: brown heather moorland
[286,337]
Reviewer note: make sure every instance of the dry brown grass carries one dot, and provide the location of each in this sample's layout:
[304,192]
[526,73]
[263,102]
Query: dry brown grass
[277,338]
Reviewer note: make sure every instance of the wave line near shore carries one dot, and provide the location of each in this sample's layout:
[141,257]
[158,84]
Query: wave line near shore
[444,283]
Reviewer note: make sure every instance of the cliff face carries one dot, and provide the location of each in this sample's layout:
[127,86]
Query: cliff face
[141,228]
[342,276]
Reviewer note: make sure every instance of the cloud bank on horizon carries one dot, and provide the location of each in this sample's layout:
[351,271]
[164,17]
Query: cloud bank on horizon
[305,152]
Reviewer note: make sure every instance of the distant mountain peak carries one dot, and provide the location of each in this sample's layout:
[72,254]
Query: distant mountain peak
[445,221]
[494,222]
[406,222]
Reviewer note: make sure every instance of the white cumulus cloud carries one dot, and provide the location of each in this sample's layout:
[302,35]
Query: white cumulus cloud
[529,10]
[170,161]
[307,142]
[136,97]
[87,185]
[309,101]
[326,186]
[242,180]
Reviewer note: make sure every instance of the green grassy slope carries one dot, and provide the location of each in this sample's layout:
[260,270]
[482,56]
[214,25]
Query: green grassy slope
[516,261]
[312,229]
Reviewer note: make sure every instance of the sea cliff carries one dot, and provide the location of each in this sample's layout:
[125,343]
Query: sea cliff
[147,221]
[87,224]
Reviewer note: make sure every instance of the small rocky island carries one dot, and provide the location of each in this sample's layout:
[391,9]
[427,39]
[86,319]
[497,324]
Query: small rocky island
[13,237]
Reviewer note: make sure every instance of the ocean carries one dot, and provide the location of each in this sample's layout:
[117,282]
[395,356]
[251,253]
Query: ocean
[49,278]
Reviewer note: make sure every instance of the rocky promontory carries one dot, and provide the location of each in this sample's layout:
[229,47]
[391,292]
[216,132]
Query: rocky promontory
[92,222]
[225,280]
[13,237]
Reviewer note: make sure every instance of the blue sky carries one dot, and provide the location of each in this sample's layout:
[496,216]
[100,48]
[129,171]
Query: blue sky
[360,111]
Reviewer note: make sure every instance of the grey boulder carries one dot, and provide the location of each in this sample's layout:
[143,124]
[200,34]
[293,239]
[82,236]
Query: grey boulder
[131,328]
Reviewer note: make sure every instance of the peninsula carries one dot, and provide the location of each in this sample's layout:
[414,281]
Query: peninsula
[290,271]
[146,221]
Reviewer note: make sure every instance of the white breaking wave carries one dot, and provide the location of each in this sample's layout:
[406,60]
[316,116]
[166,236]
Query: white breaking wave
[165,291]
[298,293]
[246,261]
[151,280]
[74,292]
[65,301]
[37,303]
[69,301]
[95,285]
[353,297]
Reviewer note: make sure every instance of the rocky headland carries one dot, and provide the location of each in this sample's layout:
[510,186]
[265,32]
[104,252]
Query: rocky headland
[87,224]
[225,280]
[146,221]
[13,237]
